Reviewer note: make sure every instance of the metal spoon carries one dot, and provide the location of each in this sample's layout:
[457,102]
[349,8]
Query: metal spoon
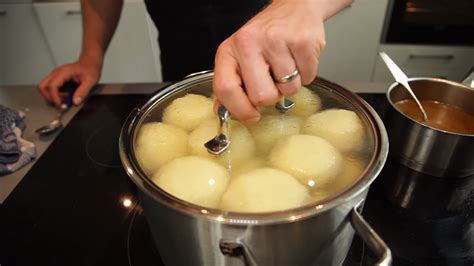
[53,125]
[69,87]
[401,78]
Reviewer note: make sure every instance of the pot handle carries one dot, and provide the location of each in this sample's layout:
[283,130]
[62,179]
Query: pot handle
[233,248]
[370,237]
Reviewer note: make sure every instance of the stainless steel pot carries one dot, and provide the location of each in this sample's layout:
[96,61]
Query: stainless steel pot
[316,234]
[423,148]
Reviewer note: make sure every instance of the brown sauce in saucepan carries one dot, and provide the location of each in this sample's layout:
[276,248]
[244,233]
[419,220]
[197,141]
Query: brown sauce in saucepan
[440,115]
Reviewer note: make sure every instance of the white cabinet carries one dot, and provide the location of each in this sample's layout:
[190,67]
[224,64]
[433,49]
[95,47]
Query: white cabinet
[24,55]
[448,62]
[133,54]
[352,40]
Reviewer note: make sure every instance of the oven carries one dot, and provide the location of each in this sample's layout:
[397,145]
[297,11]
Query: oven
[430,22]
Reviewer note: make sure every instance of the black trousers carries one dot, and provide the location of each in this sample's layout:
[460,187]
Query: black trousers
[191,30]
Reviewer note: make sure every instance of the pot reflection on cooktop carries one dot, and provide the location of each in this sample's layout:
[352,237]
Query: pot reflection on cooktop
[77,206]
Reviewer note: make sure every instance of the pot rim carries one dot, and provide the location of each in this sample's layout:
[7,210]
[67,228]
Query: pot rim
[396,84]
[130,163]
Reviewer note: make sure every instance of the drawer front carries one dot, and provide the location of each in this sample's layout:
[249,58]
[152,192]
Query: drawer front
[451,63]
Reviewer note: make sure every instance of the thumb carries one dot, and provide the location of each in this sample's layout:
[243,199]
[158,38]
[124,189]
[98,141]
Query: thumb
[82,91]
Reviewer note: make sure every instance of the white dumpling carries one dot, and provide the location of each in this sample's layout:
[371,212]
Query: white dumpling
[263,190]
[306,104]
[158,143]
[248,165]
[242,145]
[352,168]
[194,179]
[313,160]
[271,128]
[189,111]
[343,128]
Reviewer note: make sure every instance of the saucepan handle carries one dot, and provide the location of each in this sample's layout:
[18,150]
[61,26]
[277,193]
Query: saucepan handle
[469,79]
[370,237]
[233,248]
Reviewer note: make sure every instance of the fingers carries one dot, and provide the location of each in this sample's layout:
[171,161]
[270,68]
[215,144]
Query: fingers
[228,87]
[49,86]
[254,69]
[85,75]
[282,63]
[83,90]
[43,88]
[306,54]
[54,85]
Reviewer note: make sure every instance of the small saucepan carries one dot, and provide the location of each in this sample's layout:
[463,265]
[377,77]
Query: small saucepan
[424,146]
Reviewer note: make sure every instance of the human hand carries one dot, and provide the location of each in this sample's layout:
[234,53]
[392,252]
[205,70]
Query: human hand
[85,72]
[286,36]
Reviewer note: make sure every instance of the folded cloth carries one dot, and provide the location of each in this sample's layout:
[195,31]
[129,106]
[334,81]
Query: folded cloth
[9,147]
[14,150]
[28,153]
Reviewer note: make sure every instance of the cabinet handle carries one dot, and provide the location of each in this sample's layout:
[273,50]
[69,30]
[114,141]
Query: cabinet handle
[3,13]
[432,56]
[73,12]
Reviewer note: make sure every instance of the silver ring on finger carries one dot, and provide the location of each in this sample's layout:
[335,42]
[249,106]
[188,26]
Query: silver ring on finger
[288,78]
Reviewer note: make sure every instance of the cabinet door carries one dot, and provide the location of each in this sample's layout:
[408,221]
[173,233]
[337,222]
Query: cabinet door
[352,39]
[131,56]
[24,54]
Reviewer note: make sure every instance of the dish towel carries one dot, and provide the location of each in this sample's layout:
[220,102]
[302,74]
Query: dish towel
[15,152]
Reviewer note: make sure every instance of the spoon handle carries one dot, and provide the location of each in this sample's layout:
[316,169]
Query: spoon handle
[401,78]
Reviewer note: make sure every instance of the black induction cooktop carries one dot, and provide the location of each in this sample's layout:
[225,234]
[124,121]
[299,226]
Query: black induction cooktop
[77,206]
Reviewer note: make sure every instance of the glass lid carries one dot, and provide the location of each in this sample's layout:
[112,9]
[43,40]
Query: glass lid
[310,155]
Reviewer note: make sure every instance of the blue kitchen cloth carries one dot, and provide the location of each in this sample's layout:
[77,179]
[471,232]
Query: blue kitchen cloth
[9,146]
[28,153]
[14,150]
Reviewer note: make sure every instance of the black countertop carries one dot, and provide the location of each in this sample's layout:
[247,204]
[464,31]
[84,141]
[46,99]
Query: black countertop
[78,207]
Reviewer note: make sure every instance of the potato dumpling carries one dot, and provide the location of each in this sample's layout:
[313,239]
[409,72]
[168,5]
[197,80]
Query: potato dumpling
[189,111]
[242,145]
[313,160]
[248,165]
[263,190]
[158,143]
[271,128]
[306,104]
[352,168]
[343,128]
[195,179]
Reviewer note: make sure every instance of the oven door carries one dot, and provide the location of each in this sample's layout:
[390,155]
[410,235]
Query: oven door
[446,22]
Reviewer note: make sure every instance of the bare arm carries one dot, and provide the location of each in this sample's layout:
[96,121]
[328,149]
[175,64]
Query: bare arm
[99,19]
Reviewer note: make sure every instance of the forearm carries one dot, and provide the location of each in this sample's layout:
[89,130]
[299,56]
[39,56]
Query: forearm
[99,20]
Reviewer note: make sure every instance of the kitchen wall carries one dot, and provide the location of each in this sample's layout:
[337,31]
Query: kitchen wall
[36,36]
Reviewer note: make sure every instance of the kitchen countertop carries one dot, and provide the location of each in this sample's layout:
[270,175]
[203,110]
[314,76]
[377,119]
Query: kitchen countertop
[38,113]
